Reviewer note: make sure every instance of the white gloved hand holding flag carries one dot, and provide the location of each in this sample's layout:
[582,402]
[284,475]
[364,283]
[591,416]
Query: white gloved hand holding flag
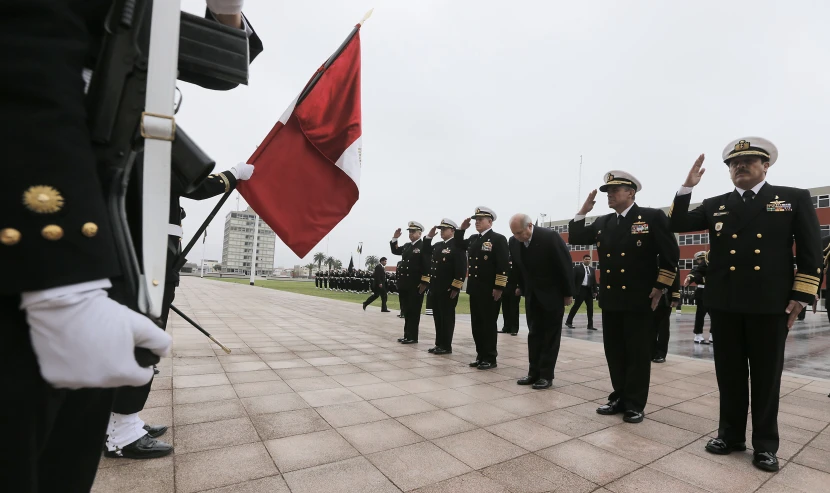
[243,171]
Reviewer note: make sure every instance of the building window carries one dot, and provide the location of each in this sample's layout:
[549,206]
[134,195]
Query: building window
[825,230]
[821,201]
[697,239]
[563,228]
[686,264]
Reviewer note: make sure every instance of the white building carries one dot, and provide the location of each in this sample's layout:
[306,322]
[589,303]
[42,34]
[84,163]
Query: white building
[238,244]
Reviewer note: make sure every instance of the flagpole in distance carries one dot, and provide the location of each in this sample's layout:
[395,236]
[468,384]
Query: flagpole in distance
[253,257]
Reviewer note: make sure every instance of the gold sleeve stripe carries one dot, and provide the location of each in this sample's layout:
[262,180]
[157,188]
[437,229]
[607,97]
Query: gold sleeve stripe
[808,279]
[225,180]
[457,284]
[671,209]
[668,272]
[665,280]
[499,276]
[802,287]
[675,295]
[501,283]
[425,278]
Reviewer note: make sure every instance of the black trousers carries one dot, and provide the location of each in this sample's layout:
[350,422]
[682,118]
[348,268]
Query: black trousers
[53,437]
[131,400]
[429,303]
[627,337]
[756,339]
[510,310]
[662,324]
[377,292]
[443,314]
[544,336]
[411,303]
[700,311]
[484,317]
[585,295]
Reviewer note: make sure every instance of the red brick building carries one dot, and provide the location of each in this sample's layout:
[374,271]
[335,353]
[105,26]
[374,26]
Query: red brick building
[697,241]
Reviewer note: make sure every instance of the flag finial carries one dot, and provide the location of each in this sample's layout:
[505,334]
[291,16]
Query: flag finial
[366,17]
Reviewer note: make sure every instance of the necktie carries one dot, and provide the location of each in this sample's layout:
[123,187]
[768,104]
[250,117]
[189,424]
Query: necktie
[748,196]
[618,219]
[587,276]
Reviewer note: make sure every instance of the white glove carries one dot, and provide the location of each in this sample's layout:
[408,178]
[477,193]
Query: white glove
[226,7]
[243,171]
[84,339]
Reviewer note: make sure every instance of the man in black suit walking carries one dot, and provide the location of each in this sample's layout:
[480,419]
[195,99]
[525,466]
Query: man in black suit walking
[753,294]
[585,288]
[379,286]
[542,265]
[638,258]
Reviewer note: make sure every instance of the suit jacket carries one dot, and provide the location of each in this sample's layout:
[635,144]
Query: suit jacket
[750,248]
[636,255]
[543,268]
[579,276]
[379,278]
[414,266]
[488,259]
[448,265]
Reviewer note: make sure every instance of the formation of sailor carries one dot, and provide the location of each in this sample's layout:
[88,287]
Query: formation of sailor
[638,257]
[752,293]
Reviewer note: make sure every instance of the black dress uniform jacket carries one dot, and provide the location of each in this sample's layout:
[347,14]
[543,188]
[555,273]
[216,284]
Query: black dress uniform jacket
[448,266]
[488,261]
[750,248]
[628,256]
[413,268]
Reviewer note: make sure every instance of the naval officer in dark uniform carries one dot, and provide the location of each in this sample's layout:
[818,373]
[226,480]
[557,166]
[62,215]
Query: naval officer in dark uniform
[488,257]
[413,276]
[752,293]
[446,277]
[638,258]
[697,276]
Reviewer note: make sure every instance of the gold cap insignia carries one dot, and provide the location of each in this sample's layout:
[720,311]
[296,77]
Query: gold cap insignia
[610,178]
[742,146]
[721,207]
[89,229]
[52,232]
[9,236]
[42,199]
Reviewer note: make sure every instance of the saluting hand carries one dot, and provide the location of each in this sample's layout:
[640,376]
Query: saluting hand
[693,178]
[432,232]
[465,224]
[397,233]
[588,206]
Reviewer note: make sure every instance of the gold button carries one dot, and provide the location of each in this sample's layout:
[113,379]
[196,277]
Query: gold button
[608,271]
[155,282]
[89,229]
[622,270]
[52,232]
[759,235]
[607,287]
[622,254]
[734,236]
[43,199]
[757,267]
[732,268]
[732,252]
[9,236]
[623,287]
[759,251]
[608,255]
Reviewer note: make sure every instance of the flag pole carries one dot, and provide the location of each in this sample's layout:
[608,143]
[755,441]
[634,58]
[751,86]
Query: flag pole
[183,256]
[203,255]
[199,328]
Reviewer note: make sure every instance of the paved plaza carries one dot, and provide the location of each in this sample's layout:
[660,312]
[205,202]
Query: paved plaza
[318,397]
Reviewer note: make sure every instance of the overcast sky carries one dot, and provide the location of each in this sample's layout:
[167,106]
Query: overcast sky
[470,103]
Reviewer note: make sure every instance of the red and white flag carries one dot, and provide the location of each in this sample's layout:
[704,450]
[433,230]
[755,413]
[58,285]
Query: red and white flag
[308,167]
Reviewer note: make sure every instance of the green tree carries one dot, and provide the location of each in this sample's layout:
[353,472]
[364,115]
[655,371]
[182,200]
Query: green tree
[310,267]
[319,257]
[371,262]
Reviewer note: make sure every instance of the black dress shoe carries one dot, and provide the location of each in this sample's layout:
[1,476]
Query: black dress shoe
[409,341]
[504,331]
[720,447]
[609,409]
[442,351]
[385,311]
[402,339]
[432,349]
[475,363]
[145,447]
[541,384]
[155,370]
[486,365]
[632,416]
[659,359]
[514,333]
[528,380]
[364,307]
[765,461]
[155,431]
[570,326]
[592,328]
[400,316]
